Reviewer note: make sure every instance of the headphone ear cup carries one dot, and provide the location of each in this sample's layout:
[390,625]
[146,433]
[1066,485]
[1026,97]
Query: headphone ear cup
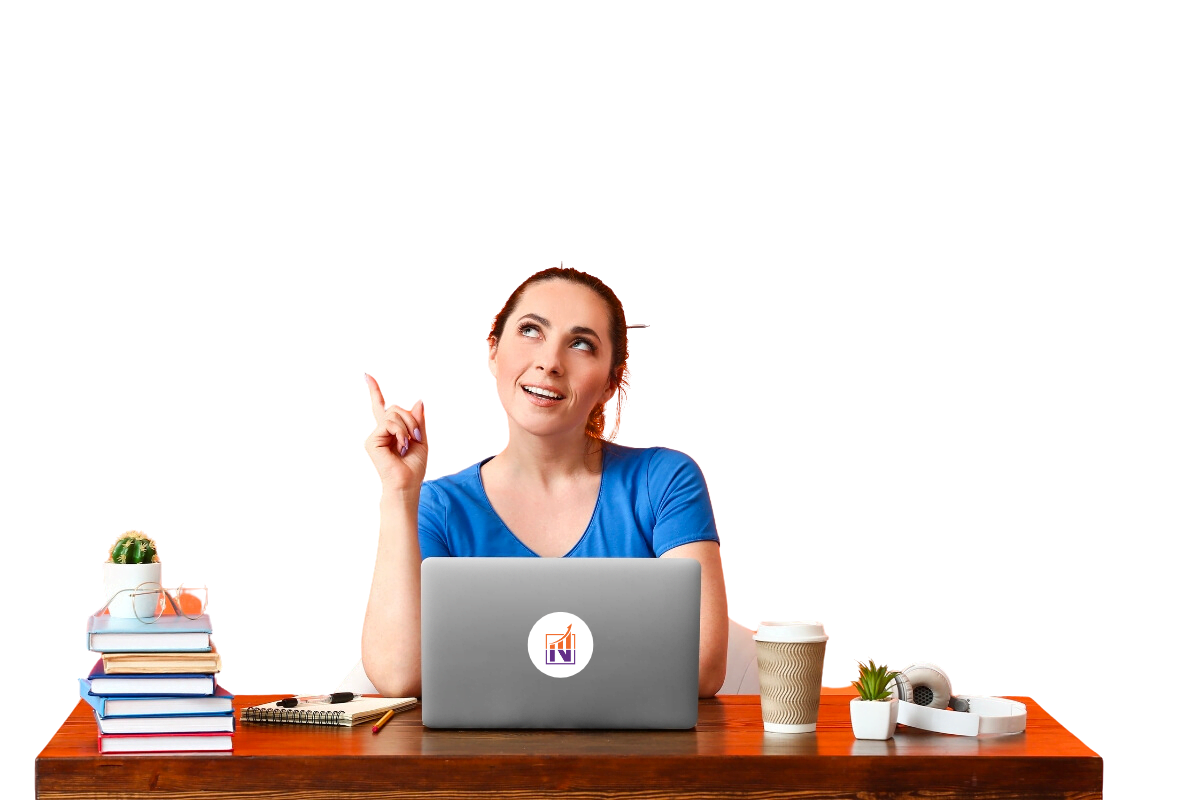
[928,686]
[901,688]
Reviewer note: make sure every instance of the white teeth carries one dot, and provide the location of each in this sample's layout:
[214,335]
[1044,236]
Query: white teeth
[542,392]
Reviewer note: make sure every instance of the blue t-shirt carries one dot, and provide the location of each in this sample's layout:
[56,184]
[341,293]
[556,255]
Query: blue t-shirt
[651,500]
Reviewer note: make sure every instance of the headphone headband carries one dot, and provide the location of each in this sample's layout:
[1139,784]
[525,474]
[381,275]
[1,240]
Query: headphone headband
[924,692]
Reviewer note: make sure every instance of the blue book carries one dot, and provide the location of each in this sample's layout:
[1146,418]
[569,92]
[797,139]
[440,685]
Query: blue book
[220,702]
[148,684]
[109,634]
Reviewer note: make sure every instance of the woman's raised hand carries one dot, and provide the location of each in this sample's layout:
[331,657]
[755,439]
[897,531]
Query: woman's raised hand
[399,445]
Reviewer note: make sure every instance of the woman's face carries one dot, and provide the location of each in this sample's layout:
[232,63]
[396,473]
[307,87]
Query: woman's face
[553,360]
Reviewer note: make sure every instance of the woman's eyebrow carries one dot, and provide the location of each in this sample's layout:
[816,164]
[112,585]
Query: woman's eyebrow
[581,329]
[576,329]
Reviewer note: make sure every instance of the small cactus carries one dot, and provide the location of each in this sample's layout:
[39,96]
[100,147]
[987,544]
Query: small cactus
[134,547]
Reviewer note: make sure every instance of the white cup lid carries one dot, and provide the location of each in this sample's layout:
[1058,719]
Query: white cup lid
[790,632]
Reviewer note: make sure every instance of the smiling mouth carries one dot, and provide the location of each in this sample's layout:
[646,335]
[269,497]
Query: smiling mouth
[545,394]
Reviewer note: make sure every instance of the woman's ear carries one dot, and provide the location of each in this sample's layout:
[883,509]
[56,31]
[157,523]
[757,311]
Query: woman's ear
[613,385]
[492,357]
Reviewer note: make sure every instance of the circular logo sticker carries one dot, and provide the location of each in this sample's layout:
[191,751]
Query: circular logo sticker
[560,644]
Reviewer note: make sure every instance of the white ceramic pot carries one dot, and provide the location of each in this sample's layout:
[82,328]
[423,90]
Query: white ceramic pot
[874,719]
[125,577]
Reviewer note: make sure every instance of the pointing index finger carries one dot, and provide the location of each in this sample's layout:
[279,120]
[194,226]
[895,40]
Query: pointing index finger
[382,397]
[376,398]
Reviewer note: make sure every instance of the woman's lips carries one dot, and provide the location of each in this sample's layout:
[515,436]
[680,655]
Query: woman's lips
[541,395]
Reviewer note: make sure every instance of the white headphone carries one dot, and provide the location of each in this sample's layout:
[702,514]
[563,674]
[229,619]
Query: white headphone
[927,702]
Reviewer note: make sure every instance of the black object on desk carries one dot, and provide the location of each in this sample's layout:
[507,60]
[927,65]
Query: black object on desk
[336,697]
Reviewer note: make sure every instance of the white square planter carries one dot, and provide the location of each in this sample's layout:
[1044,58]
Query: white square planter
[125,577]
[873,719]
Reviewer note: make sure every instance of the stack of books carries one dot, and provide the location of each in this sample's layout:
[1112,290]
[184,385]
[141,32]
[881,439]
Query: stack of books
[154,688]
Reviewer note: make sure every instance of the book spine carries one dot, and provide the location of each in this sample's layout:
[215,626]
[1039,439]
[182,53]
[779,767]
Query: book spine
[292,715]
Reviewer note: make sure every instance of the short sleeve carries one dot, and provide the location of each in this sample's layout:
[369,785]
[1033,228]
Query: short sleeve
[682,508]
[432,533]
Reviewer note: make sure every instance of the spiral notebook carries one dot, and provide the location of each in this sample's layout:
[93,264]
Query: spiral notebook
[354,712]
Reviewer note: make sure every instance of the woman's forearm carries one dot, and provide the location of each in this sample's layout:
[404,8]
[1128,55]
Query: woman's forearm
[714,644]
[391,639]
[714,613]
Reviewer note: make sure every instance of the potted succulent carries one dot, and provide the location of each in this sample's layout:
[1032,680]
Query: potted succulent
[132,561]
[873,712]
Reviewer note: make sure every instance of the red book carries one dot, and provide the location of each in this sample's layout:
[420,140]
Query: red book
[164,742]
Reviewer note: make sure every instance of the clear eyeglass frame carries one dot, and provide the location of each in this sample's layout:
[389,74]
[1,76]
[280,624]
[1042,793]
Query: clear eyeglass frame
[184,601]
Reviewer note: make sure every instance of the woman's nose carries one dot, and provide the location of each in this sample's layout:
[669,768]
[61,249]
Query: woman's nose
[549,361]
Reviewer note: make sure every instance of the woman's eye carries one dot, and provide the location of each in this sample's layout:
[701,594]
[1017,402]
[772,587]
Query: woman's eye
[586,344]
[522,330]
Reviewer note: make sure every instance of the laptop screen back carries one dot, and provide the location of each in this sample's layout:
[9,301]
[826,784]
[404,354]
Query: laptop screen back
[560,642]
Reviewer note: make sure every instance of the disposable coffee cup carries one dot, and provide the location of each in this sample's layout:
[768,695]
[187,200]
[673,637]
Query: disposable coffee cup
[791,658]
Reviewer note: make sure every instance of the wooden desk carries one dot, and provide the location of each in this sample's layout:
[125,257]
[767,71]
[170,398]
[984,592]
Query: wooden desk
[727,755]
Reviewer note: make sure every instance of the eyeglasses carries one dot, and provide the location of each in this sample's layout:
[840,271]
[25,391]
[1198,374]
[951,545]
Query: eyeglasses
[151,601]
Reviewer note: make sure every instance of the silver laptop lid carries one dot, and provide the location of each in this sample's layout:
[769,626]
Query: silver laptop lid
[560,642]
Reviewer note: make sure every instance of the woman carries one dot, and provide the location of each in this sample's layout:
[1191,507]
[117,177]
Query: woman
[557,350]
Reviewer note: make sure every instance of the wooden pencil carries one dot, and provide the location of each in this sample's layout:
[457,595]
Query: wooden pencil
[383,721]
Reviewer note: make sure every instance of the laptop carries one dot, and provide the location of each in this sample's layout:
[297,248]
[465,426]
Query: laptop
[560,643]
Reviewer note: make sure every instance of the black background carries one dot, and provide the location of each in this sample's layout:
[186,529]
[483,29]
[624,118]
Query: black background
[205,386]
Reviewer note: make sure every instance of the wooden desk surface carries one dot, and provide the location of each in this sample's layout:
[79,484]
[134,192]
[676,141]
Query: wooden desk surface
[728,754]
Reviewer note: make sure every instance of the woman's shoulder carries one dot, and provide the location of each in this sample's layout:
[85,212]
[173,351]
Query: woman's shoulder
[653,460]
[668,479]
